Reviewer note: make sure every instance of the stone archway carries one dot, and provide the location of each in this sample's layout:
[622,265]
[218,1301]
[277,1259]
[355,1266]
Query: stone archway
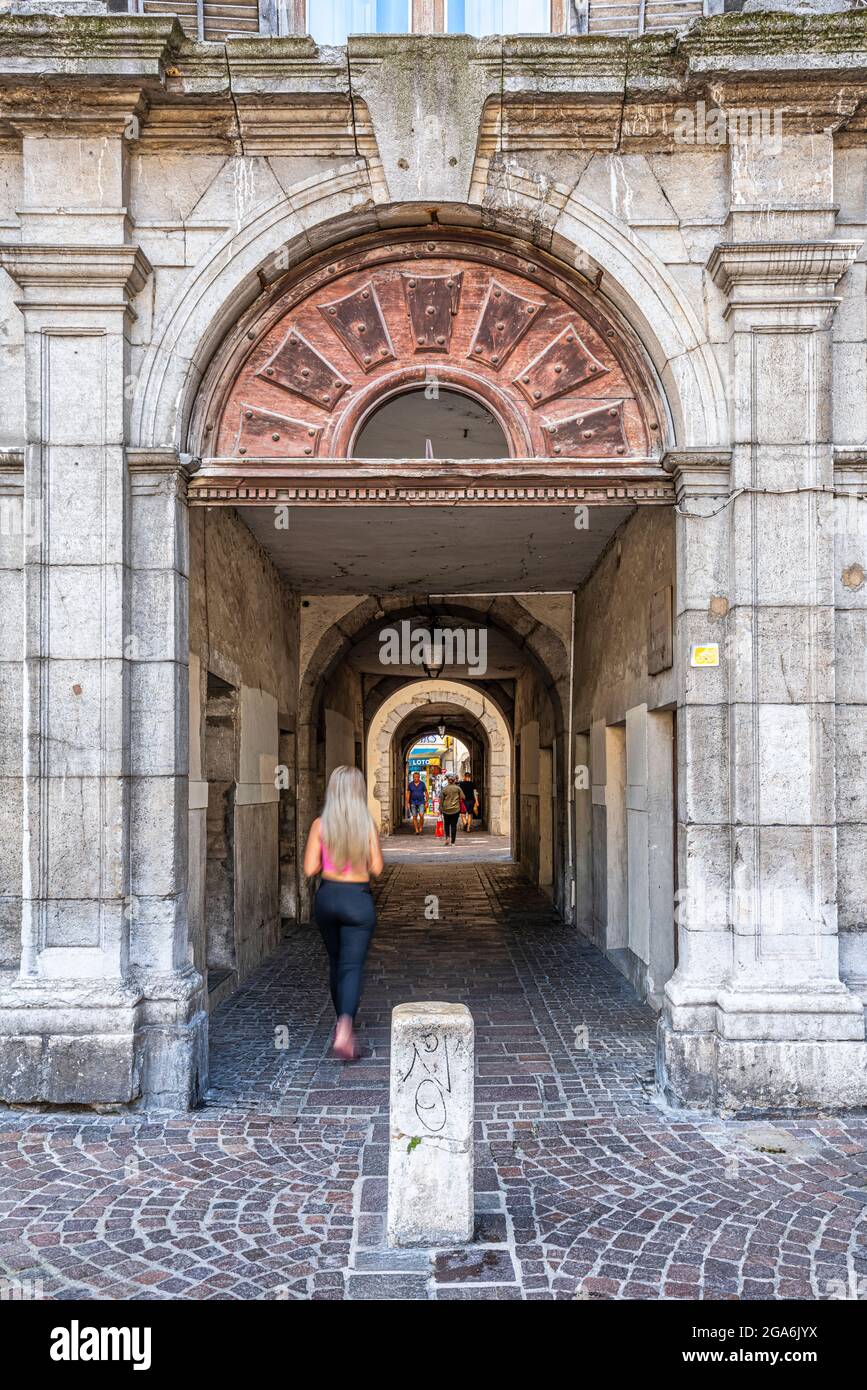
[541,647]
[414,700]
[242,268]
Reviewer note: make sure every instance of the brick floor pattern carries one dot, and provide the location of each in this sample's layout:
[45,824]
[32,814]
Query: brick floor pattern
[586,1186]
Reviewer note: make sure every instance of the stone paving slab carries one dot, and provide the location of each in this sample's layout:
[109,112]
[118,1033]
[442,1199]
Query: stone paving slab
[586,1188]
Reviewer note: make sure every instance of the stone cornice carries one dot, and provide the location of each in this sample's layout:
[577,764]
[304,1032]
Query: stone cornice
[166,460]
[396,482]
[774,42]
[288,64]
[104,46]
[259,92]
[747,270]
[850,465]
[697,458]
[242,492]
[151,460]
[11,461]
[114,110]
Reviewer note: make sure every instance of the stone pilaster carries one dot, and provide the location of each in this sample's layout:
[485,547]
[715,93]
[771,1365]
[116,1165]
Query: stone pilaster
[171,1018]
[14,522]
[850,593]
[103,978]
[75,891]
[756,1013]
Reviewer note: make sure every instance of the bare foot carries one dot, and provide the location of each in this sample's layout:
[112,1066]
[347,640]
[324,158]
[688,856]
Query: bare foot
[345,1046]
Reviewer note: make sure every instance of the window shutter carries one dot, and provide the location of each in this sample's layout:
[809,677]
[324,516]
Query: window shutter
[631,17]
[670,14]
[212,20]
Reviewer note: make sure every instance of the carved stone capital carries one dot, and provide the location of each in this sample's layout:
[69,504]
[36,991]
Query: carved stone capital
[761,272]
[698,472]
[160,469]
[80,277]
[11,462]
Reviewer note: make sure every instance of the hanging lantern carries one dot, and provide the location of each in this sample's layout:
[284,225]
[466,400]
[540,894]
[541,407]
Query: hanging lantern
[433,667]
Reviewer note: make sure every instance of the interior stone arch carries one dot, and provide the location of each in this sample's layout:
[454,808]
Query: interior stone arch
[409,709]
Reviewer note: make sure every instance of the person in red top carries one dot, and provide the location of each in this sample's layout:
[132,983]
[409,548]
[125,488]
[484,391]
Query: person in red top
[343,848]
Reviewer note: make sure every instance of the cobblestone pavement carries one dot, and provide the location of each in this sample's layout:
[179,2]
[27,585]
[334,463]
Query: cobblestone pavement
[586,1187]
[478,846]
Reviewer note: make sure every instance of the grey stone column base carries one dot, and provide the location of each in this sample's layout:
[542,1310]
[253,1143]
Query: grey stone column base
[707,1071]
[105,1043]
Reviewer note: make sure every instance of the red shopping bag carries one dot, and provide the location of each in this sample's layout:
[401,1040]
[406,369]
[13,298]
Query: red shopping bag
[440,830]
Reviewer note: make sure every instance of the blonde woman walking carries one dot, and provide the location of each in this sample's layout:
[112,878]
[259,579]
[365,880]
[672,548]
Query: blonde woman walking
[343,846]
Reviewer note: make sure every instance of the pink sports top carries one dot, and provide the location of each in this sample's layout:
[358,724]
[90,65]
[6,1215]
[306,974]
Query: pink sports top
[328,865]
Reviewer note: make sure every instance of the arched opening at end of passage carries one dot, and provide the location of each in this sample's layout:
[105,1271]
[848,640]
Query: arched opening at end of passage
[476,743]
[431,421]
[432,757]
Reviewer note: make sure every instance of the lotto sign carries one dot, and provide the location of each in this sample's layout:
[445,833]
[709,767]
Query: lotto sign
[708,655]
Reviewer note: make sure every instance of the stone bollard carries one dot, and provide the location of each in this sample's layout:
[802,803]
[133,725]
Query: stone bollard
[430,1155]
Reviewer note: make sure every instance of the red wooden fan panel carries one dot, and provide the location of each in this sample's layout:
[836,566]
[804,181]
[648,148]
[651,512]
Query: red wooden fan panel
[557,378]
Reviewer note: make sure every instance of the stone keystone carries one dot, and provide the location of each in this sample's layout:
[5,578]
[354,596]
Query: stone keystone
[430,1159]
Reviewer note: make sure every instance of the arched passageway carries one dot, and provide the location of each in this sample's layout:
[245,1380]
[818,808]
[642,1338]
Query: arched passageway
[594,430]
[389,364]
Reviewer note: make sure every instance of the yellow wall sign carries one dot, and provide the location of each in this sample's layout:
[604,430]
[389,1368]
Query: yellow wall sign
[708,655]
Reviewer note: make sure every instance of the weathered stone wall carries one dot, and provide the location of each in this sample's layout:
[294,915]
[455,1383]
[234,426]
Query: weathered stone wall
[624,804]
[611,675]
[244,629]
[12,429]
[541,719]
[11,707]
[344,718]
[534,732]
[12,434]
[849,392]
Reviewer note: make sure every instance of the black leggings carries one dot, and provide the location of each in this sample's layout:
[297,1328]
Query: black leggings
[346,917]
[450,819]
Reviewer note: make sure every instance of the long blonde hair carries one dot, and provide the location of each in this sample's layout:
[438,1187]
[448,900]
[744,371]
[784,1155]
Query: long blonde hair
[346,820]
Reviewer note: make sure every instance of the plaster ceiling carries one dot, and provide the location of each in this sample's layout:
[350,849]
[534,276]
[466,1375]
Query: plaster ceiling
[393,550]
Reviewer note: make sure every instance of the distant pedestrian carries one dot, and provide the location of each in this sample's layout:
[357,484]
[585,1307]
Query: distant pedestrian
[470,801]
[451,809]
[343,846]
[416,798]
